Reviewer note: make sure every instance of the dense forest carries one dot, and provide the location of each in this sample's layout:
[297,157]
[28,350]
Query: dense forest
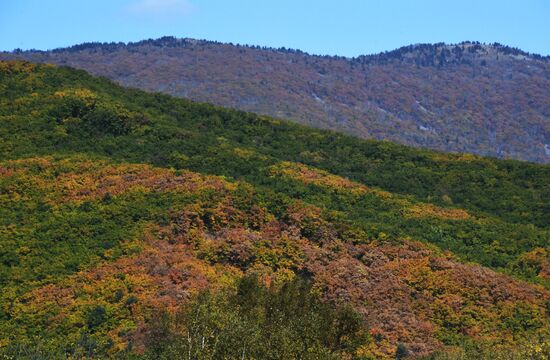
[137,225]
[487,99]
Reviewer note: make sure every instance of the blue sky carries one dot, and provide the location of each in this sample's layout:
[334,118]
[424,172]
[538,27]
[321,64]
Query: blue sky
[335,27]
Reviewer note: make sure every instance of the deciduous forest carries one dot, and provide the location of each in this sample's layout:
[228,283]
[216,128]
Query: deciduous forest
[138,225]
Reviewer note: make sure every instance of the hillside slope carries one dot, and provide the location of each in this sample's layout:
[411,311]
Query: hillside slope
[119,207]
[483,99]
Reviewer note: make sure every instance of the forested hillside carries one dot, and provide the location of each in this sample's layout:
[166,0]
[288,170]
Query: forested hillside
[138,225]
[470,97]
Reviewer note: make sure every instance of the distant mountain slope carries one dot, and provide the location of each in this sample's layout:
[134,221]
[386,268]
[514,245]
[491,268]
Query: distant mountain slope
[485,99]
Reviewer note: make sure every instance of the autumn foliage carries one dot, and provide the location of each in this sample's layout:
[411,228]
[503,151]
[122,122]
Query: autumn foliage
[198,225]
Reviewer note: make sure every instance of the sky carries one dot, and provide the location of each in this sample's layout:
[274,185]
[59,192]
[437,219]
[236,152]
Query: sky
[333,27]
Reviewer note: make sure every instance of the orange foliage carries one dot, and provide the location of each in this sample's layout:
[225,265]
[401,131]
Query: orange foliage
[310,175]
[75,180]
[429,210]
[539,259]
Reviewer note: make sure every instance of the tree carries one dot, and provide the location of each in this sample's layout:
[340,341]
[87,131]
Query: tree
[402,352]
[96,316]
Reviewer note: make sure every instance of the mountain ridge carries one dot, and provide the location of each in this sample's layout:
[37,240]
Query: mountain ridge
[172,41]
